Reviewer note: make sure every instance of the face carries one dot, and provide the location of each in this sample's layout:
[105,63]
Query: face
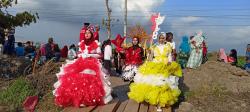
[88,34]
[170,38]
[135,41]
[161,39]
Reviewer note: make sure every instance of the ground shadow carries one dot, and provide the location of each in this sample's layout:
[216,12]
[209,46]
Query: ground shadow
[121,92]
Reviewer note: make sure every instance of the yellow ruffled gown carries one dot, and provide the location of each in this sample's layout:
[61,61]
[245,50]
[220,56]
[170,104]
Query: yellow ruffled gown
[157,81]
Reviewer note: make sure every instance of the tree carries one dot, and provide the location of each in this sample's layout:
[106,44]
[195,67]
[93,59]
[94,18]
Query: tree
[109,18]
[139,32]
[8,21]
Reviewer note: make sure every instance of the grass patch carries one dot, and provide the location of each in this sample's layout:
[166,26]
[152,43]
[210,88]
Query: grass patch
[215,90]
[241,61]
[16,93]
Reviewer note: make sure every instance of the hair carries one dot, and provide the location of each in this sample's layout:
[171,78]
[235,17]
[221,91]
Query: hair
[50,40]
[19,44]
[106,42]
[169,34]
[191,37]
[28,42]
[72,46]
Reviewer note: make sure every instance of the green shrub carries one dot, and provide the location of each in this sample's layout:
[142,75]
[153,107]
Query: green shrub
[241,61]
[16,93]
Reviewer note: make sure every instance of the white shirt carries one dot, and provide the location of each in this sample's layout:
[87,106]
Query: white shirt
[172,44]
[71,54]
[107,52]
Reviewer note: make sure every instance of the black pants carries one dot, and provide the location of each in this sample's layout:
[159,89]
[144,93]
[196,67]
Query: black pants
[107,65]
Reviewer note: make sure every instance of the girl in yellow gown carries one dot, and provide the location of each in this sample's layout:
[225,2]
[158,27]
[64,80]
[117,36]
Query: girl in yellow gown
[157,81]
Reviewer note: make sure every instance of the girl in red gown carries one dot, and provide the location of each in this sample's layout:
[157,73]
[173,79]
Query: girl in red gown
[81,82]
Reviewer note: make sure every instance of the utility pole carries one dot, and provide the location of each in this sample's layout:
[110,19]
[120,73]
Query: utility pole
[125,20]
[109,19]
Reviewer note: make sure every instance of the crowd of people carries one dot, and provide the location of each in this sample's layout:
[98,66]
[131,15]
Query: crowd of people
[153,73]
[232,58]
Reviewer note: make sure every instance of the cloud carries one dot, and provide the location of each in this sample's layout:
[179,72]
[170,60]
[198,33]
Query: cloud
[190,19]
[242,33]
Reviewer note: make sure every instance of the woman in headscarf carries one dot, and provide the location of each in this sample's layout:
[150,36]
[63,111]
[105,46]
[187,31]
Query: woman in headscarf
[64,52]
[196,54]
[81,82]
[247,66]
[184,52]
[133,58]
[156,81]
[222,56]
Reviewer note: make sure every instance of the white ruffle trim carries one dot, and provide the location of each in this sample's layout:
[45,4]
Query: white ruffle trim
[129,72]
[172,81]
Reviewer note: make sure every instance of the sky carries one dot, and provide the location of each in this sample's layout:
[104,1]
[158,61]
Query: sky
[226,23]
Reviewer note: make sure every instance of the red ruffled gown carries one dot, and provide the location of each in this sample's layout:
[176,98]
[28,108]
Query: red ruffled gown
[81,82]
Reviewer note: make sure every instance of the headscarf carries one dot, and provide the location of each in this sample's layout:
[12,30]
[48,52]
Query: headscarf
[64,51]
[222,55]
[185,47]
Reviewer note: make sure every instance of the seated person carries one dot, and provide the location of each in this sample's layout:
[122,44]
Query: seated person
[247,66]
[19,49]
[29,50]
[233,57]
[222,56]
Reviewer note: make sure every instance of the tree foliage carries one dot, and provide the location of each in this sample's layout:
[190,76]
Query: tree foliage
[20,19]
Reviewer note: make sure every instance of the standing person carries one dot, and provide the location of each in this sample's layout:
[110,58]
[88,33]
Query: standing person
[19,49]
[107,55]
[184,52]
[49,49]
[96,33]
[156,81]
[83,30]
[57,53]
[1,42]
[64,52]
[169,39]
[82,82]
[72,52]
[195,58]
[133,58]
[204,52]
[248,52]
[247,66]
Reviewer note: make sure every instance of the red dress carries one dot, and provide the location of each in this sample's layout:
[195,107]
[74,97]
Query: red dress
[134,58]
[81,81]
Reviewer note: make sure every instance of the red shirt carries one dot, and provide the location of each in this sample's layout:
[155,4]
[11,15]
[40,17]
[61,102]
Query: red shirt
[134,55]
